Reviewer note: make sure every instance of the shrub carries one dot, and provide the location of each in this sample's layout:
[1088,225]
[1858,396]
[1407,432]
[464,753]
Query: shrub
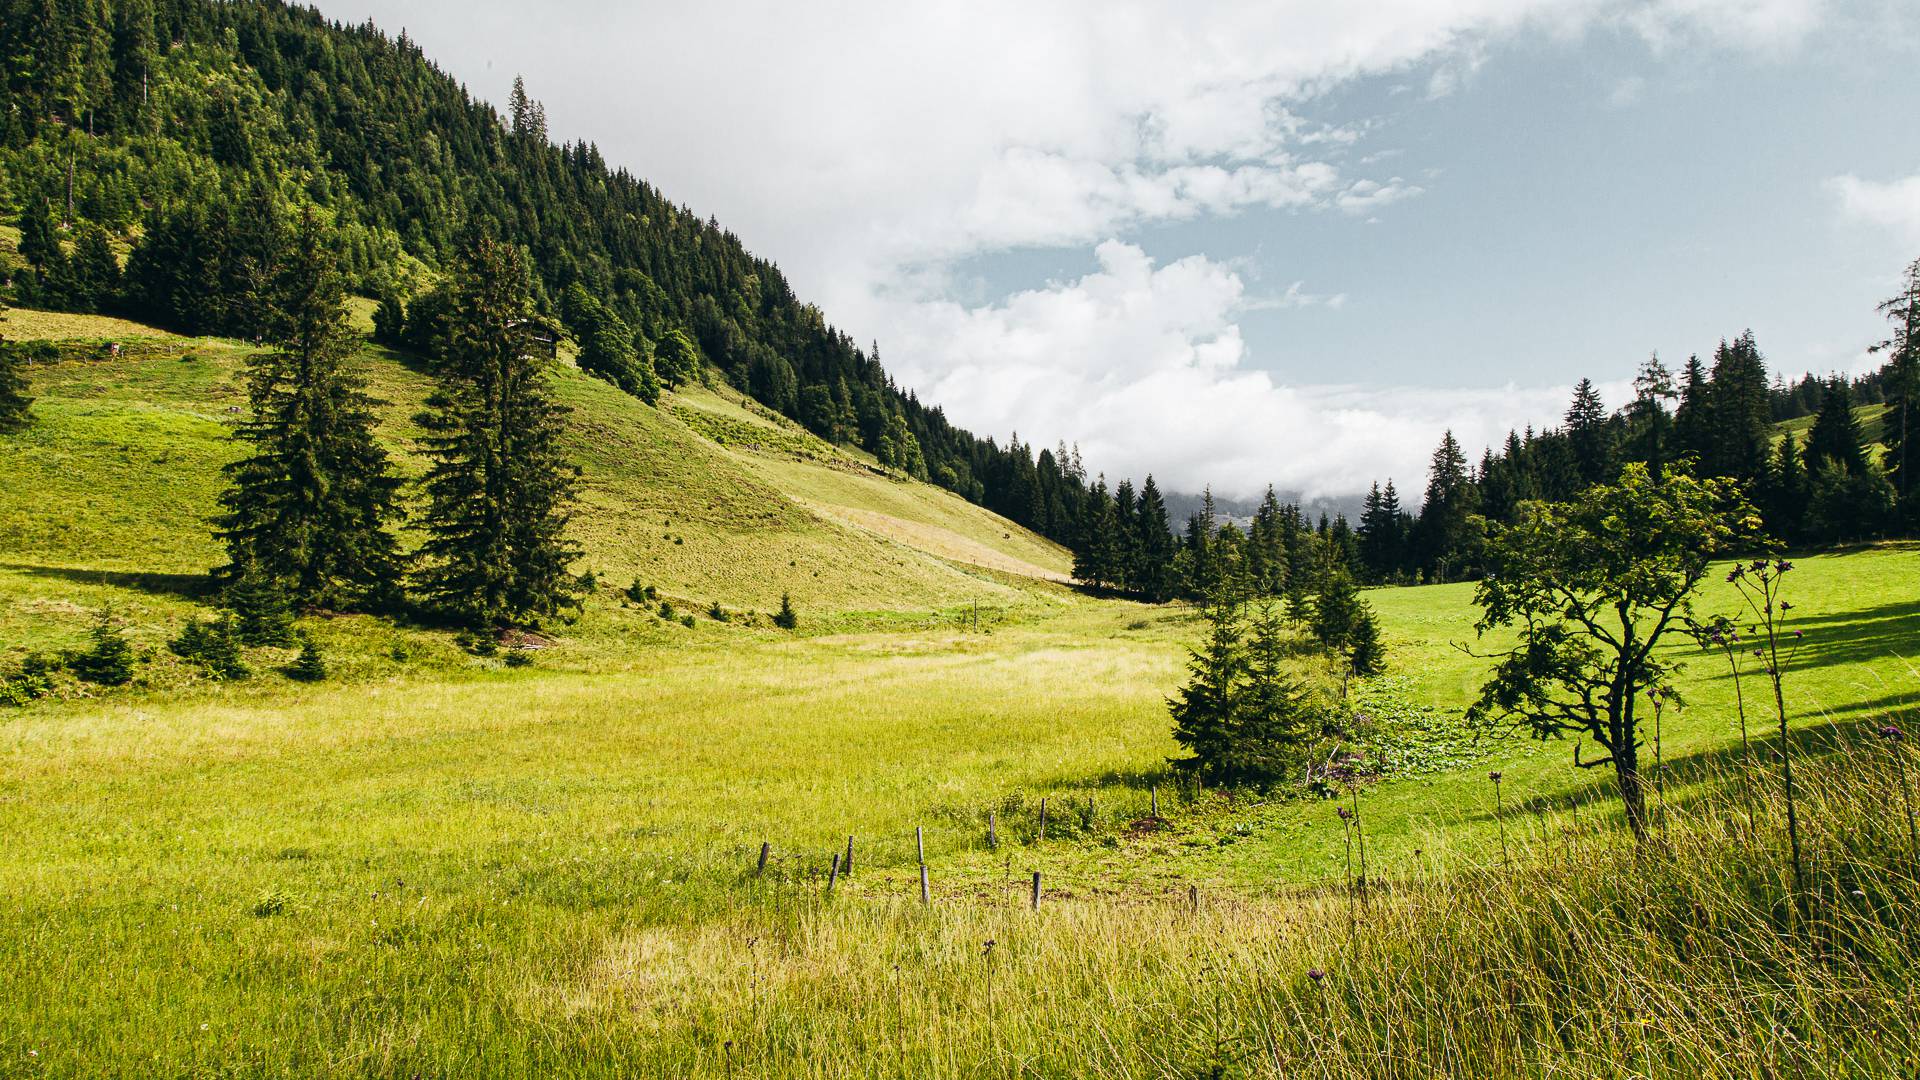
[640,594]
[686,621]
[786,618]
[519,658]
[110,660]
[34,680]
[717,613]
[214,644]
[310,665]
[262,613]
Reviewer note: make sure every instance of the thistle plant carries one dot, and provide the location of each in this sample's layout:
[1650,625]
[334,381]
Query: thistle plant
[1894,737]
[1723,634]
[1759,584]
[1499,814]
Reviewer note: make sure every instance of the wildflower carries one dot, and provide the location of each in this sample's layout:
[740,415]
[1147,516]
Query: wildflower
[1316,974]
[1784,606]
[1782,566]
[1345,813]
[987,950]
[1733,575]
[1494,776]
[1891,733]
[1799,633]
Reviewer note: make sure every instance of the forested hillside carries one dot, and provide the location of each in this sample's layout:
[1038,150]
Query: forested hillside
[171,136]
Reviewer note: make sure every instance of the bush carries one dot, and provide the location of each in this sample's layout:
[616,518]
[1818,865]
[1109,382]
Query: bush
[214,644]
[262,613]
[519,658]
[641,594]
[717,613]
[110,661]
[686,621]
[786,618]
[310,665]
[34,680]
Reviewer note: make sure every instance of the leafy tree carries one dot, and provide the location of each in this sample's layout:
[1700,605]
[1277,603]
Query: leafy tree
[1592,587]
[678,362]
[499,489]
[308,509]
[14,402]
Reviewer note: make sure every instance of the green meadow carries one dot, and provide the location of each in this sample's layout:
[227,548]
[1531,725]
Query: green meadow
[437,864]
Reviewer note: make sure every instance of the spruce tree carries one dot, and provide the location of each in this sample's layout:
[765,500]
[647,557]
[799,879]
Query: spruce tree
[1366,655]
[1156,545]
[1206,709]
[308,509]
[1740,420]
[1586,426]
[310,665]
[1835,438]
[93,273]
[1277,717]
[1901,423]
[14,401]
[109,661]
[499,489]
[39,235]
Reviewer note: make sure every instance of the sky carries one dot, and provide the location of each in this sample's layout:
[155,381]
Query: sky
[1281,241]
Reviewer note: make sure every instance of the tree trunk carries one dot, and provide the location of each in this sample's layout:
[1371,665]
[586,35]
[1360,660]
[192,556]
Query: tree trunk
[1633,794]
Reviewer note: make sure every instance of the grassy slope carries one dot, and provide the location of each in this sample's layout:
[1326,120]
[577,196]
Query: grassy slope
[113,484]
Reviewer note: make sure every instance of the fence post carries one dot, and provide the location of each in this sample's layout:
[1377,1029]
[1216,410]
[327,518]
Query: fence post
[926,897]
[993,830]
[1043,819]
[1036,890]
[833,873]
[1153,793]
[846,864]
[920,844]
[765,849]
[1193,897]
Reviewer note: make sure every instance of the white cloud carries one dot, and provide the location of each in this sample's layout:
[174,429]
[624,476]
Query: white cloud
[868,146]
[1143,365]
[1893,204]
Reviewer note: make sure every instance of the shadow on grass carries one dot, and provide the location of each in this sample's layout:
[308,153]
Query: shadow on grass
[184,586]
[1889,631]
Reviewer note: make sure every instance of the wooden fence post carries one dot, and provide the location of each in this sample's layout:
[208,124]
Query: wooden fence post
[926,897]
[993,830]
[1153,793]
[1043,819]
[765,849]
[833,873]
[1036,890]
[846,864]
[1193,897]
[920,844]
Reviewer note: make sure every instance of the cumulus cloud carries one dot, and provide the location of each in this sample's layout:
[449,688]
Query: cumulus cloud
[1143,365]
[869,146]
[1893,204]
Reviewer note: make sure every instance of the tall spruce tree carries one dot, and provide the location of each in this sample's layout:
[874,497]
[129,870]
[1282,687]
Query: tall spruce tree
[1586,425]
[499,489]
[308,509]
[1445,517]
[1156,545]
[1901,423]
[1740,420]
[1835,438]
[14,401]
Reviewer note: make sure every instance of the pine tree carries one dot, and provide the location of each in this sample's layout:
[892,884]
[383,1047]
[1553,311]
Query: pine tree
[1586,425]
[1336,610]
[786,618]
[92,273]
[215,645]
[1446,515]
[109,661]
[308,508]
[1156,545]
[1650,435]
[1901,375]
[1205,709]
[499,489]
[14,401]
[39,234]
[1835,438]
[1276,716]
[1691,416]
[1366,655]
[1740,418]
[389,321]
[262,613]
[310,665]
